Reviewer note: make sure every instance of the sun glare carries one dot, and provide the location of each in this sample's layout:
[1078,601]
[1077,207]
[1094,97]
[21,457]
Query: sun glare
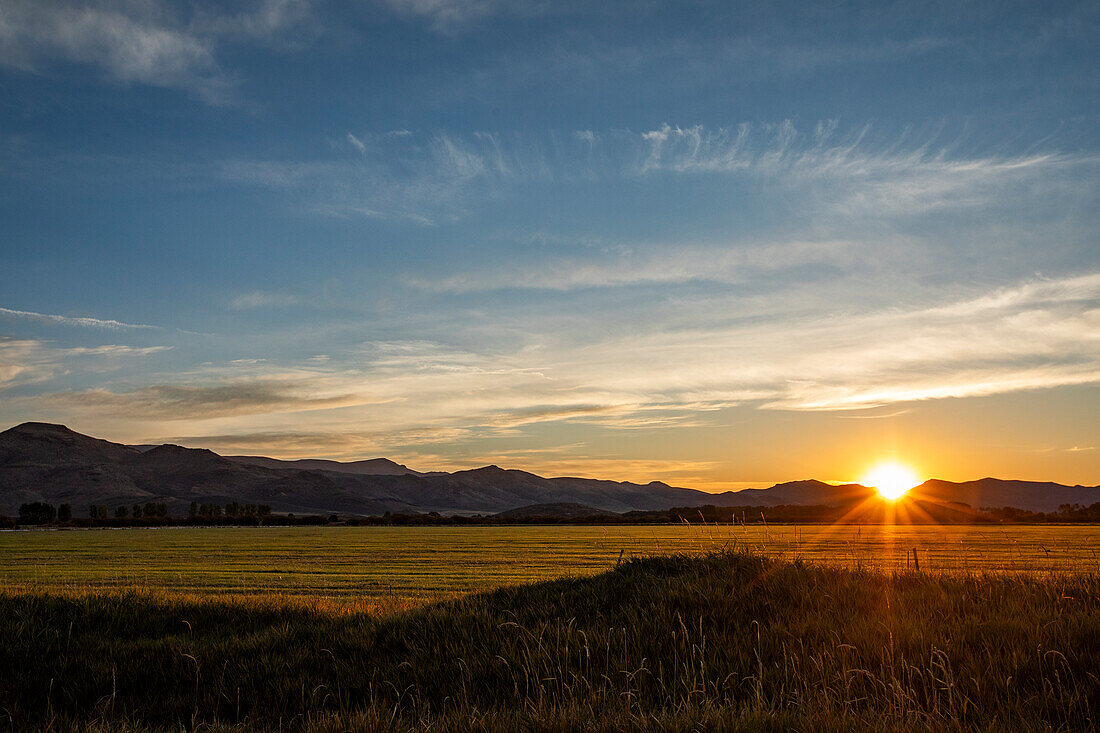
[891,480]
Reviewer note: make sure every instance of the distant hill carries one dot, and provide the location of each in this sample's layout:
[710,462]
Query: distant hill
[795,492]
[564,510]
[42,462]
[984,493]
[51,463]
[369,467]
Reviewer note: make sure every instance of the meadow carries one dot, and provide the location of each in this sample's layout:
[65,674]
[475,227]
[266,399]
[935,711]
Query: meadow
[382,568]
[723,641]
[546,628]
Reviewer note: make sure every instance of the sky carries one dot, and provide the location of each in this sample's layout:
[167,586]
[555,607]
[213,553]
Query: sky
[716,244]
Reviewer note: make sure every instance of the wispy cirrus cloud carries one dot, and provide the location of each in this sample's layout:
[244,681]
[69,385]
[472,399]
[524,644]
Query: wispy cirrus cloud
[443,176]
[393,175]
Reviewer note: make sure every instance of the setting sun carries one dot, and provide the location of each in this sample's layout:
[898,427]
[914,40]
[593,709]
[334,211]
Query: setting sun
[891,480]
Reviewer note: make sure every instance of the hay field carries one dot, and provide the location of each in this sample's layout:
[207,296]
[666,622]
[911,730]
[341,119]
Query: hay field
[383,568]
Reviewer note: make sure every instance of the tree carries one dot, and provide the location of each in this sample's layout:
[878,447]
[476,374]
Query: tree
[194,510]
[36,512]
[102,511]
[137,511]
[122,512]
[65,513]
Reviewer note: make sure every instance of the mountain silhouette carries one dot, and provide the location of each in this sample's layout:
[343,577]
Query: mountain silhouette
[51,463]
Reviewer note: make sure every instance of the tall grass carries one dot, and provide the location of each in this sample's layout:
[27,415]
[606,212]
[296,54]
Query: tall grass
[721,641]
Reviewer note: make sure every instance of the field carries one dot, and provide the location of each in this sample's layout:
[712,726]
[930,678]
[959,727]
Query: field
[379,568]
[380,629]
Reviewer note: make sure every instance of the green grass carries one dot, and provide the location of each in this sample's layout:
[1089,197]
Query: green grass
[387,568]
[719,641]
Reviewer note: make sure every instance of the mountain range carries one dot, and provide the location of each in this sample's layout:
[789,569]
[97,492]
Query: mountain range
[51,463]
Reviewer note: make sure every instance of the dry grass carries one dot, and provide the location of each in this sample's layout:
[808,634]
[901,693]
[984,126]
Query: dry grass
[371,569]
[722,641]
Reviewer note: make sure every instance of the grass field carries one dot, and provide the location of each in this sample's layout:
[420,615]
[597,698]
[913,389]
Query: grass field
[727,641]
[541,628]
[378,568]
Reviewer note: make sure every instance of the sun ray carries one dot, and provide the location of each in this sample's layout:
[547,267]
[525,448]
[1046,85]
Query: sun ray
[891,479]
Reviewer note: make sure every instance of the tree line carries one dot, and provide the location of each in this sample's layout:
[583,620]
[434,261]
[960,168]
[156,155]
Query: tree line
[236,513]
[150,512]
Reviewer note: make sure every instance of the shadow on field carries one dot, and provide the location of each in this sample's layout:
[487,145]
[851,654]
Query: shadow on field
[724,641]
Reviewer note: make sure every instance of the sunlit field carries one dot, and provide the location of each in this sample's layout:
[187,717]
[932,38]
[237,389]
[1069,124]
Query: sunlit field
[380,568]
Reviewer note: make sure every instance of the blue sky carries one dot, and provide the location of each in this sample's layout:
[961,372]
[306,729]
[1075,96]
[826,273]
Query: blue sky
[718,244]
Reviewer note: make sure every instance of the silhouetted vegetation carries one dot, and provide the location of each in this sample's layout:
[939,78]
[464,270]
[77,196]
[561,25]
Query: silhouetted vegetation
[155,514]
[727,641]
[916,512]
[36,512]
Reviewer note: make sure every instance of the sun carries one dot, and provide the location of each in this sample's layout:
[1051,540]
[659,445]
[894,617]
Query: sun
[891,479]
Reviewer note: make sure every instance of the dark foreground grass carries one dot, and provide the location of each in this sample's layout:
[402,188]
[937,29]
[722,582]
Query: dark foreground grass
[723,642]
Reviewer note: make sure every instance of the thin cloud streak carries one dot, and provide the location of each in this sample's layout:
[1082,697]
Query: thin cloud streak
[81,322]
[262,299]
[186,402]
[653,265]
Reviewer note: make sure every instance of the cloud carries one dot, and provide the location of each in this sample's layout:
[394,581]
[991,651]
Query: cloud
[207,401]
[851,174]
[357,143]
[270,21]
[1035,335]
[31,361]
[261,299]
[659,264]
[80,322]
[146,43]
[450,16]
[832,175]
[430,398]
[395,175]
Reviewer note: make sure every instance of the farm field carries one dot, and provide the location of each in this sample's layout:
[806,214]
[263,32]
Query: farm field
[705,641]
[394,568]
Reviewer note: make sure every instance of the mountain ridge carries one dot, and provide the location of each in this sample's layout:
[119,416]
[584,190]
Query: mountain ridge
[52,463]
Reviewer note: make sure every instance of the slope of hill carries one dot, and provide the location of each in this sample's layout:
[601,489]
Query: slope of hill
[369,467]
[42,462]
[795,492]
[1035,496]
